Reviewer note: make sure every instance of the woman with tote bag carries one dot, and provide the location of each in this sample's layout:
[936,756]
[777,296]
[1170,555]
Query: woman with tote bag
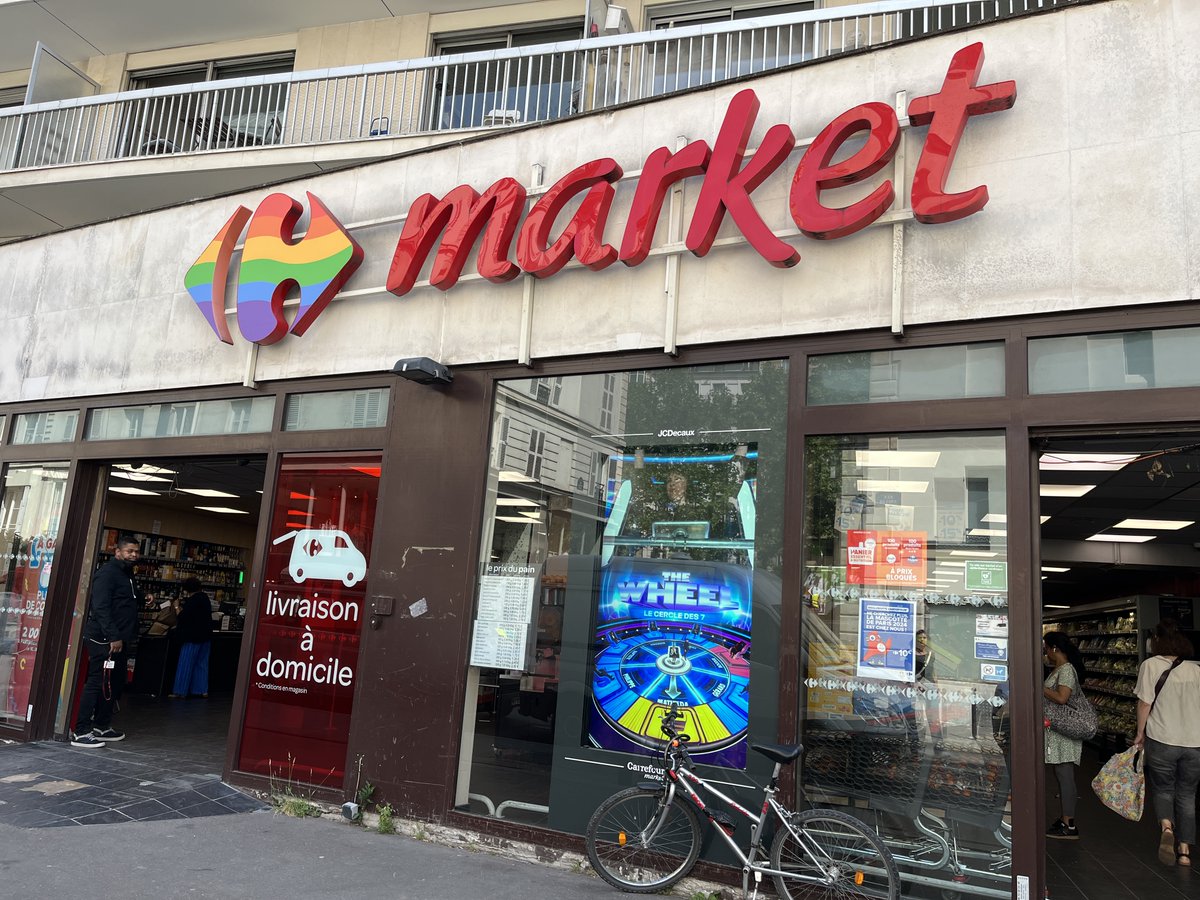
[1168,692]
[1063,753]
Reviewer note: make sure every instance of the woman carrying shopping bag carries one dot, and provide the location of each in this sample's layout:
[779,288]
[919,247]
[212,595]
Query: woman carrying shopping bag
[1062,752]
[1168,692]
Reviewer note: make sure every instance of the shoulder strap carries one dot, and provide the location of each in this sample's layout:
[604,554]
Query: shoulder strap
[1162,679]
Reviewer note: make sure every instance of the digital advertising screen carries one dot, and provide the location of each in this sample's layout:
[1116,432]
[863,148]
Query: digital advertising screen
[672,624]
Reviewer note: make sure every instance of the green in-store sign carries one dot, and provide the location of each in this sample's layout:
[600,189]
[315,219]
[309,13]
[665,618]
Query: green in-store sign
[984,575]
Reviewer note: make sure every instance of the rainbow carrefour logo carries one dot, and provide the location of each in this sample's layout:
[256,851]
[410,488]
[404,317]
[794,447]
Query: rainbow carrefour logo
[273,261]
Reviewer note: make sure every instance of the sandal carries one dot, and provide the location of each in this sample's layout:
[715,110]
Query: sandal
[1166,848]
[1183,857]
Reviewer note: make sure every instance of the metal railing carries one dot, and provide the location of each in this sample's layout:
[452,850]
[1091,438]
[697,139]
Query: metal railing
[463,91]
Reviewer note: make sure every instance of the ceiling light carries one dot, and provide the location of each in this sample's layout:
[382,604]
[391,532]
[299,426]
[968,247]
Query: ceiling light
[1085,462]
[510,475]
[1044,519]
[1055,569]
[144,469]
[536,515]
[1160,524]
[1123,538]
[1055,606]
[1064,490]
[138,476]
[949,564]
[206,492]
[988,532]
[224,509]
[904,487]
[984,553]
[524,520]
[132,490]
[995,517]
[916,459]
[515,501]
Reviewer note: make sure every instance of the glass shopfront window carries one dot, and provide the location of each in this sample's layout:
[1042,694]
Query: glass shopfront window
[30,509]
[905,633]
[310,614]
[632,544]
[919,373]
[1114,361]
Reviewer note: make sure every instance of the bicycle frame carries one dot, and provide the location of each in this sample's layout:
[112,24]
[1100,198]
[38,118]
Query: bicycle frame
[754,860]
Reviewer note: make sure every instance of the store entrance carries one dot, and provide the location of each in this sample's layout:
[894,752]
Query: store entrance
[195,520]
[1119,539]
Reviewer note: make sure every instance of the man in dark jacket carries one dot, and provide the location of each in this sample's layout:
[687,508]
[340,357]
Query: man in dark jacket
[107,636]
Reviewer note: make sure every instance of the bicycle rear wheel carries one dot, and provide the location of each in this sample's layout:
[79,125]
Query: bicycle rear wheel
[623,852]
[835,855]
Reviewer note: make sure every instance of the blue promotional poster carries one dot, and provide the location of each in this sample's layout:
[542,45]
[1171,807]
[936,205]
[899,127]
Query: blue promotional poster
[886,639]
[672,625]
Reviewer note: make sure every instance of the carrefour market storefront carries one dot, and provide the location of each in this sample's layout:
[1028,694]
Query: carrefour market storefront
[734,474]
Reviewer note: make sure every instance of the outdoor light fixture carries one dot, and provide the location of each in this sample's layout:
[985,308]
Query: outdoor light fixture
[422,370]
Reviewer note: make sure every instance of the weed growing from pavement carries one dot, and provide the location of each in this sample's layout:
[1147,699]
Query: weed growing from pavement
[387,822]
[286,794]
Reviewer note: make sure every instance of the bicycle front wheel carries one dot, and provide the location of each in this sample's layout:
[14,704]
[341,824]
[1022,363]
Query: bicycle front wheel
[636,845]
[832,854]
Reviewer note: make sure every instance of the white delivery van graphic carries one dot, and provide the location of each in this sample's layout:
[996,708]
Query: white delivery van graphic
[324,555]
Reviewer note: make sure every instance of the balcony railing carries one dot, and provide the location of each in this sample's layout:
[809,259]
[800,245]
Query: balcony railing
[487,89]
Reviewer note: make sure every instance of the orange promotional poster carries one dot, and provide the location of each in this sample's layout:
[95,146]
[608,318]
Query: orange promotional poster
[896,558]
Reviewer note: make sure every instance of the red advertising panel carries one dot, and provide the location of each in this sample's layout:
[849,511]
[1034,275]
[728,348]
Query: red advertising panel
[895,558]
[310,614]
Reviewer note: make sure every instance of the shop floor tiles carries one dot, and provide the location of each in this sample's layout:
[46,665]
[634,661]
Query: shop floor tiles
[168,767]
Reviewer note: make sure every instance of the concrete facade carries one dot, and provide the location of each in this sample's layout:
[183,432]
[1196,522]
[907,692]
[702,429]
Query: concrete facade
[1092,195]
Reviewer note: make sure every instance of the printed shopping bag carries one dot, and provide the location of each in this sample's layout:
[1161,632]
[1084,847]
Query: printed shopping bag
[1121,784]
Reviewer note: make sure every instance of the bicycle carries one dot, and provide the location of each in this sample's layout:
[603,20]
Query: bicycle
[646,838]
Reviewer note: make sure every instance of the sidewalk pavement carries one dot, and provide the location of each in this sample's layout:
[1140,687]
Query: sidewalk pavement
[268,855]
[137,824]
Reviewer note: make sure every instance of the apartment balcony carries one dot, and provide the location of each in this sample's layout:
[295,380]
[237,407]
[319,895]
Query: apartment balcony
[72,162]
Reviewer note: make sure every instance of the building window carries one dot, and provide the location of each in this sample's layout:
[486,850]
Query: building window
[12,96]
[537,450]
[327,410]
[507,91]
[920,373]
[1115,361]
[45,427]
[210,119]
[202,417]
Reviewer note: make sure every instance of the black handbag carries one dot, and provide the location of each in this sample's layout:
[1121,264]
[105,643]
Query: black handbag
[1075,719]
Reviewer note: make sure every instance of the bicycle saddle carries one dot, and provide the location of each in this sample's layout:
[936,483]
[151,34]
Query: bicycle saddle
[780,753]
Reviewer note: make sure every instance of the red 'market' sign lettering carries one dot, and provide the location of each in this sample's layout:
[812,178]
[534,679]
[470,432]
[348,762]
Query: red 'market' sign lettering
[730,177]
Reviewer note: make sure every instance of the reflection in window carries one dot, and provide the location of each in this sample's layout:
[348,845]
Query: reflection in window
[336,409]
[905,631]
[1116,361]
[203,417]
[637,520]
[30,511]
[920,373]
[45,427]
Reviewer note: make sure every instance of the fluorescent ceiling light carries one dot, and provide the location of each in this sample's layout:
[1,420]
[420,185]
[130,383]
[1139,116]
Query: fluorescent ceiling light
[145,469]
[916,459]
[904,487]
[206,492]
[1152,524]
[995,517]
[1055,606]
[515,501]
[1123,538]
[524,520]
[224,509]
[1056,569]
[132,490]
[1085,462]
[988,532]
[535,515]
[984,553]
[1044,519]
[950,564]
[1064,490]
[139,476]
[511,475]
